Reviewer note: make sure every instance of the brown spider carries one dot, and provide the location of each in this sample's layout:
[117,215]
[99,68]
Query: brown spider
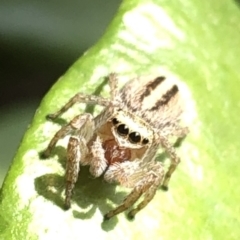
[121,142]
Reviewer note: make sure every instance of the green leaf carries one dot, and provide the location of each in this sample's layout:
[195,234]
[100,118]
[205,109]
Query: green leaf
[198,41]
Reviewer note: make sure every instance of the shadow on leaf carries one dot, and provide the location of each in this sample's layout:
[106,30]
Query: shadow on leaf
[89,194]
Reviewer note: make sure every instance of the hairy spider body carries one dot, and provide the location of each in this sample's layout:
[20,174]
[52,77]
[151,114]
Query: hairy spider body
[121,142]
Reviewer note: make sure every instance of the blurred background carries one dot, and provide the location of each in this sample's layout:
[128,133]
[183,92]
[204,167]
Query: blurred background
[38,42]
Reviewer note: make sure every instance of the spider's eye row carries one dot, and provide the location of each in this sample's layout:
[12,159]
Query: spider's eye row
[134,137]
[123,130]
[115,121]
[145,141]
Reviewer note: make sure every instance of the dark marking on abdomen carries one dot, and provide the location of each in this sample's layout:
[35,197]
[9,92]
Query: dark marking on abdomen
[151,86]
[165,98]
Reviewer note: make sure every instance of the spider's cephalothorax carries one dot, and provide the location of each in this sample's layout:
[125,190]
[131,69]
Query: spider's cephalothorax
[121,142]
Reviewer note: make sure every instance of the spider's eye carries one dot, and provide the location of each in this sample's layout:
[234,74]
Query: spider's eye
[134,137]
[115,121]
[123,130]
[145,141]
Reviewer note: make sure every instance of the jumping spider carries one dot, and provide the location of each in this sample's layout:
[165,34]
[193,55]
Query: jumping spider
[121,142]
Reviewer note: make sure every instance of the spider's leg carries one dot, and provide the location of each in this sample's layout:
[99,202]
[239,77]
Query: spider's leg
[90,99]
[75,126]
[181,133]
[144,180]
[113,83]
[175,160]
[153,180]
[72,167]
[128,202]
[80,98]
[82,128]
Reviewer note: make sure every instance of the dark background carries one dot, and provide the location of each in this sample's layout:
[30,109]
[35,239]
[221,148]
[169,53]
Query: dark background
[38,42]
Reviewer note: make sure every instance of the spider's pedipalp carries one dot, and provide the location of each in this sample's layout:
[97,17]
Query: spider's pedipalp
[98,162]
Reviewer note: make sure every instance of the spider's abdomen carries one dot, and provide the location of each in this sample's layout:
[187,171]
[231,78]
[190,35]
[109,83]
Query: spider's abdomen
[114,153]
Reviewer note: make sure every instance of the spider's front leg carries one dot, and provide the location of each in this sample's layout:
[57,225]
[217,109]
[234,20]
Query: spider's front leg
[145,181]
[81,129]
[77,126]
[89,99]
[79,98]
[76,151]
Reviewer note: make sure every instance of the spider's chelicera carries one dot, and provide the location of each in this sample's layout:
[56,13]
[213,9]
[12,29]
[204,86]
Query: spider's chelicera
[122,141]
